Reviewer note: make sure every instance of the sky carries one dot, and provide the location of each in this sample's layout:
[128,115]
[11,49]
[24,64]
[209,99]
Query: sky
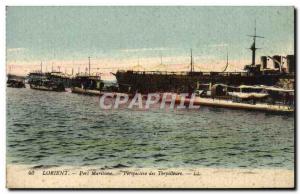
[143,38]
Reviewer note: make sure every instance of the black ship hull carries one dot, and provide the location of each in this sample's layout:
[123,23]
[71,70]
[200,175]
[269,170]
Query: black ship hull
[146,82]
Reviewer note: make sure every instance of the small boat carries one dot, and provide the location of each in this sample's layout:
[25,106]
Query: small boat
[47,85]
[14,83]
[79,90]
[87,84]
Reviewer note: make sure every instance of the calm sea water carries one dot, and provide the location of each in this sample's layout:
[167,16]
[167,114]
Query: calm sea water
[49,128]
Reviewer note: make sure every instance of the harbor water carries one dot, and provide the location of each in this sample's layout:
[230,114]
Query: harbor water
[62,128]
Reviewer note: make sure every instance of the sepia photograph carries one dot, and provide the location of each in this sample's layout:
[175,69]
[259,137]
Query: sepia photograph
[150,97]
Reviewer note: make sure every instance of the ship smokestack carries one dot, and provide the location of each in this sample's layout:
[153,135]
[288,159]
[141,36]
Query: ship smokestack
[290,61]
[264,61]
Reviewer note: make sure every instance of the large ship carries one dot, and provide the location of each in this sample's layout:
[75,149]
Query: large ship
[253,74]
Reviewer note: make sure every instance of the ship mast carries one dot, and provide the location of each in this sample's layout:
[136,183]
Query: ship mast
[226,62]
[227,59]
[253,46]
[192,65]
[89,66]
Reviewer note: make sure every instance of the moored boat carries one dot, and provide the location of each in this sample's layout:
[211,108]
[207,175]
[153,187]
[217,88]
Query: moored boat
[282,71]
[44,81]
[259,98]
[220,103]
[14,83]
[80,90]
[87,84]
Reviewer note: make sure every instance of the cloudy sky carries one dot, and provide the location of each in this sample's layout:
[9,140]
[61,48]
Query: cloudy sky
[137,37]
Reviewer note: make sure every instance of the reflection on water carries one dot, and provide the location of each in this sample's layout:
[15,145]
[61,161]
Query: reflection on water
[49,128]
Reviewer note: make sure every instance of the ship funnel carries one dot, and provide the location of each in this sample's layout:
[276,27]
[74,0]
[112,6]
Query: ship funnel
[264,61]
[290,59]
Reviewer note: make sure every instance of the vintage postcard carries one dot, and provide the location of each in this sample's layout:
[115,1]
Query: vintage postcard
[150,97]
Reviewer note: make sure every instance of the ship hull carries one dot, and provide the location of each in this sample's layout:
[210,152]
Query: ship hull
[45,88]
[146,82]
[78,90]
[219,103]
